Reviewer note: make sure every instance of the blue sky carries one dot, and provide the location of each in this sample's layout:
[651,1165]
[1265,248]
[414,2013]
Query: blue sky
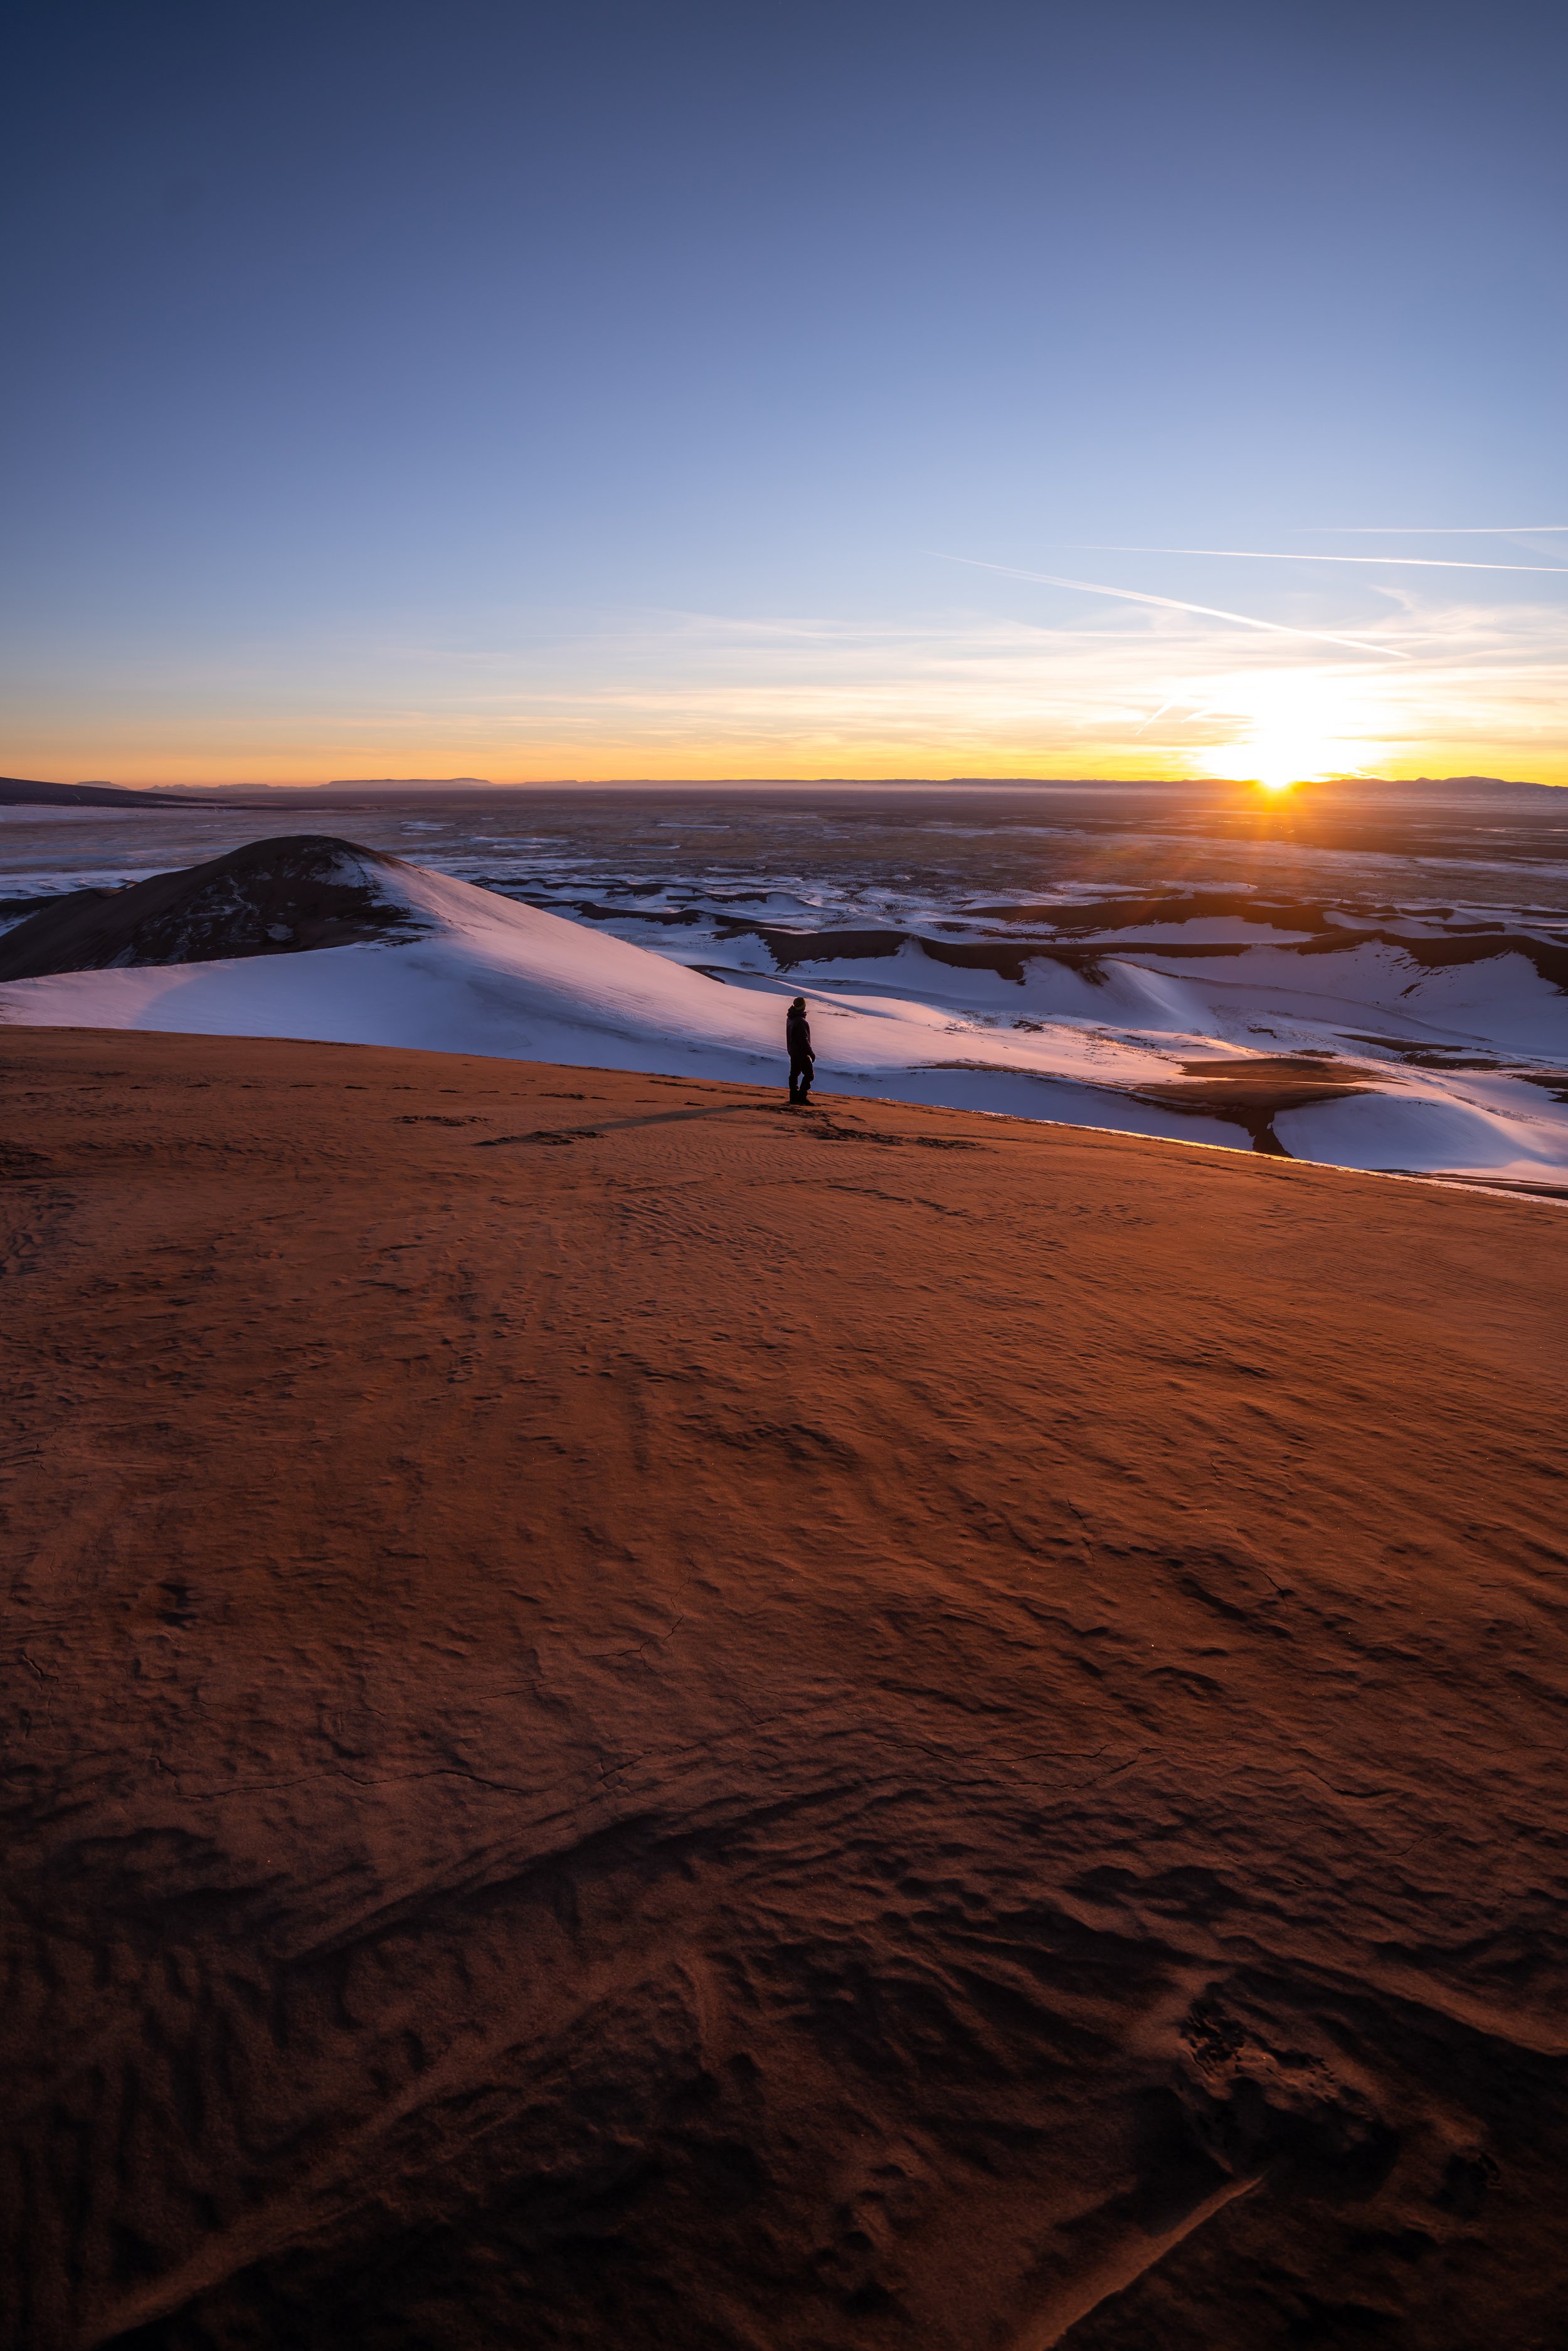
[418,390]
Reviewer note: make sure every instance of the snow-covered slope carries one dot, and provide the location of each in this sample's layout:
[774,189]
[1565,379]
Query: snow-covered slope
[483,975]
[1192,1052]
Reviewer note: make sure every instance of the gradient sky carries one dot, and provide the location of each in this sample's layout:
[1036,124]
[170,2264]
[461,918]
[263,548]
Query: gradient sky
[606,390]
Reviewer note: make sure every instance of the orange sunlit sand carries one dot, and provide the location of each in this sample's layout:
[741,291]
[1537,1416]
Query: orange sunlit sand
[922,1678]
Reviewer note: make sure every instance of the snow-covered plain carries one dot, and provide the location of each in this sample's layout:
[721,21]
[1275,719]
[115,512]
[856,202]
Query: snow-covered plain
[1461,1065]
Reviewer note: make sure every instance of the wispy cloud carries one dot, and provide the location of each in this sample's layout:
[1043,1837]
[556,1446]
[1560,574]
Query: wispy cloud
[1179,604]
[969,692]
[1301,555]
[956,690]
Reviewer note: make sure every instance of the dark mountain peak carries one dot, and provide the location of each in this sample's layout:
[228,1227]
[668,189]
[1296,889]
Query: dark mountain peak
[272,897]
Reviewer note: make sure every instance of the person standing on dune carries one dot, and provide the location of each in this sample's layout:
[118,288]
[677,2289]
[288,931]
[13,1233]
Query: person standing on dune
[802,1061]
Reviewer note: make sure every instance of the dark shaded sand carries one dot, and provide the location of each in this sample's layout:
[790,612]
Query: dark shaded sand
[727,1729]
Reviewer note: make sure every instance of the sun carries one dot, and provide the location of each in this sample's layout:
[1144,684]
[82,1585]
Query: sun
[1277,763]
[1279,767]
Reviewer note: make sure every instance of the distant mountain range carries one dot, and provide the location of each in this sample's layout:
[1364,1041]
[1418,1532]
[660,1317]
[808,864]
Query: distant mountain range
[17,791]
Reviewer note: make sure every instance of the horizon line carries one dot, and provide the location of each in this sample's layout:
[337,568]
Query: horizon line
[178,792]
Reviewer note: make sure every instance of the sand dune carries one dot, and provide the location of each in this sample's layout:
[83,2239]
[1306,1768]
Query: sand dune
[634,1718]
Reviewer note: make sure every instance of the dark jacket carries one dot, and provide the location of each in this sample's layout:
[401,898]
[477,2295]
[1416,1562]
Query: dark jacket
[798,1035]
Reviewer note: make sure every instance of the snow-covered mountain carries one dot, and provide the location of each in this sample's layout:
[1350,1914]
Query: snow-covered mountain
[1381,1052]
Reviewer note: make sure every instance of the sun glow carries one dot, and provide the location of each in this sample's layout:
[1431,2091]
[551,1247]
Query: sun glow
[1278,761]
[1294,730]
[1277,765]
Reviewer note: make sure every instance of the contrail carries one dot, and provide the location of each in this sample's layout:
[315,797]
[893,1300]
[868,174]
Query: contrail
[1439,530]
[1175,605]
[1169,704]
[1257,555]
